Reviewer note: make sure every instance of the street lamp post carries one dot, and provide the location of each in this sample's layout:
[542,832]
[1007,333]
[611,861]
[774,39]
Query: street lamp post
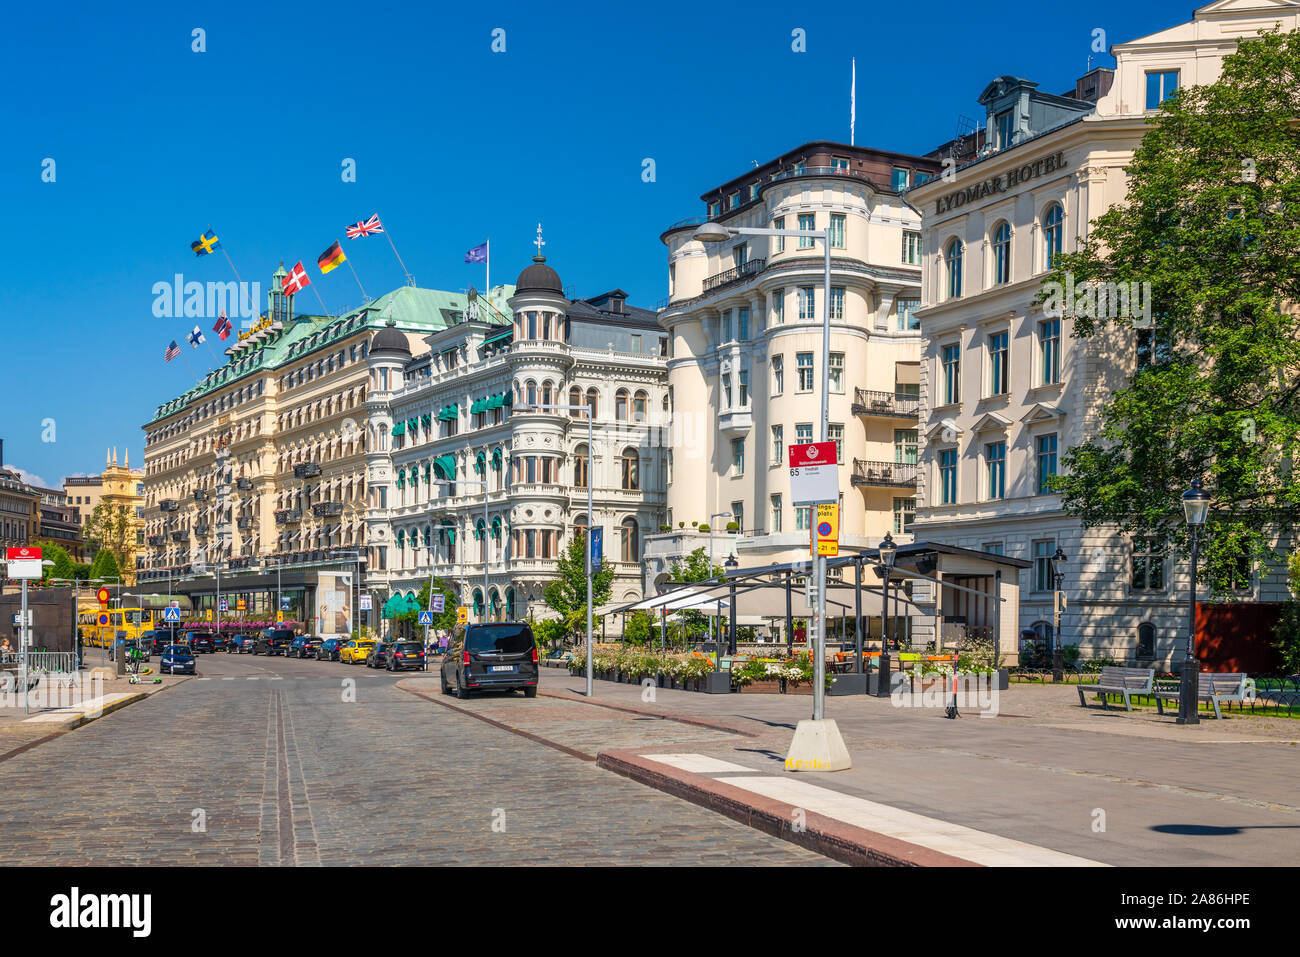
[887,551]
[713,531]
[591,454]
[1058,650]
[1196,504]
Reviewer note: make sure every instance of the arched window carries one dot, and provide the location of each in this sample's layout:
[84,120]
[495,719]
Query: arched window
[480,532]
[593,403]
[1146,640]
[631,461]
[1053,218]
[630,544]
[639,405]
[478,603]
[531,393]
[952,260]
[620,405]
[580,461]
[494,604]
[548,397]
[575,398]
[510,604]
[1002,253]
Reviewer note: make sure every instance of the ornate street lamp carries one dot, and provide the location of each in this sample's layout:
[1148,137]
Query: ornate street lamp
[1058,652]
[1196,504]
[887,552]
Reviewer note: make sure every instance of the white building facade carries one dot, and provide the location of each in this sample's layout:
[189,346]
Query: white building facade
[1005,388]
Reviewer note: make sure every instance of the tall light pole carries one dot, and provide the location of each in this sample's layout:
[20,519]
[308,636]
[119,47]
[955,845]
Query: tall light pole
[1058,579]
[716,233]
[713,531]
[591,455]
[1196,504]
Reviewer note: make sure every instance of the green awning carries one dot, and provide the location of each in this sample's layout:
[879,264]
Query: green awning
[480,463]
[507,399]
[401,537]
[495,401]
[411,424]
[448,532]
[399,429]
[496,458]
[477,406]
[500,336]
[427,469]
[450,412]
[445,466]
[401,479]
[478,529]
[415,476]
[426,420]
[396,605]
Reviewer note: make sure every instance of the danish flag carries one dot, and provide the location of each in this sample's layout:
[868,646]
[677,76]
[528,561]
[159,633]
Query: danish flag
[296,281]
[365,228]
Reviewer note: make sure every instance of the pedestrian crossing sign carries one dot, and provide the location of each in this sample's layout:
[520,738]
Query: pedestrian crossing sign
[426,618]
[171,614]
[225,605]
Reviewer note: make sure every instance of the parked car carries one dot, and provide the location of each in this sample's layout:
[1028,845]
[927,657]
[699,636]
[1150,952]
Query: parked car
[491,656]
[202,642]
[219,641]
[161,637]
[240,644]
[328,650]
[405,656]
[378,655]
[177,659]
[304,646]
[356,651]
[273,641]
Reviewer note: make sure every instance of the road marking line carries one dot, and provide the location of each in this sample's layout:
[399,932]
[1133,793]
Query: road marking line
[252,678]
[696,763]
[227,679]
[979,847]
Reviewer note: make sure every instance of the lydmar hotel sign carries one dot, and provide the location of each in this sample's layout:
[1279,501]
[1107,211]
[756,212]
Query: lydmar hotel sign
[1001,183]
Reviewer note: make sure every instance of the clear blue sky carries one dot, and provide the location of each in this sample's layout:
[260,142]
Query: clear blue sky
[453,144]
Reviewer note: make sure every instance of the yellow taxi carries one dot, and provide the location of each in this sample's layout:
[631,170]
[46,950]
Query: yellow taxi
[356,651]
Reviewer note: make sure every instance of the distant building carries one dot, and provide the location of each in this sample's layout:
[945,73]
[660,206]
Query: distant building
[61,522]
[20,508]
[121,489]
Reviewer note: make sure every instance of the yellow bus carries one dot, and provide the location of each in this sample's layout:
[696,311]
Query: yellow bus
[131,622]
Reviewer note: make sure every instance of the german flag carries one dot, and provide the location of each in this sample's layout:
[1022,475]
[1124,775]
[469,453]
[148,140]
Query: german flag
[331,258]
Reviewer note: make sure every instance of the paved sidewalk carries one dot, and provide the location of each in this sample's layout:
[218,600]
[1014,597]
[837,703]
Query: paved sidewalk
[1044,782]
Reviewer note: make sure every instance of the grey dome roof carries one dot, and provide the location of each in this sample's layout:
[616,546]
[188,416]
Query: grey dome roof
[539,277]
[388,339]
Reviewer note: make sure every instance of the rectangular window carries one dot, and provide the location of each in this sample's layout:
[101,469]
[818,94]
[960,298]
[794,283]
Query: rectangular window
[904,514]
[1049,351]
[737,457]
[778,445]
[776,514]
[803,433]
[779,223]
[899,179]
[995,459]
[804,362]
[837,372]
[738,515]
[951,374]
[948,477]
[807,223]
[1043,552]
[742,323]
[726,394]
[733,201]
[1046,449]
[837,302]
[1148,565]
[807,302]
[907,318]
[726,328]
[840,164]
[636,348]
[1006,126]
[713,214]
[739,255]
[802,518]
[911,247]
[778,374]
[778,306]
[1160,87]
[998,377]
[993,548]
[743,382]
[837,231]
[905,446]
[835,433]
[753,191]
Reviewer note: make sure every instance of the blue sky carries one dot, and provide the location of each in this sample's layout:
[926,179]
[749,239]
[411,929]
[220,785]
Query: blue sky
[453,143]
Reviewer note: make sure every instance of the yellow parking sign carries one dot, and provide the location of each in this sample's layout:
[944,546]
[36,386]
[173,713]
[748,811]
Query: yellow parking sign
[826,531]
[462,615]
[208,614]
[279,617]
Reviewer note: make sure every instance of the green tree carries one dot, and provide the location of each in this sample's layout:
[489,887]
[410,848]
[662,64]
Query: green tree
[1212,222]
[105,565]
[548,632]
[1286,633]
[640,628]
[112,527]
[445,619]
[63,566]
[566,595]
[697,567]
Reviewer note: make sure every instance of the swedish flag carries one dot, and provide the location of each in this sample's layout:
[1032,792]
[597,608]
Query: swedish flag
[205,244]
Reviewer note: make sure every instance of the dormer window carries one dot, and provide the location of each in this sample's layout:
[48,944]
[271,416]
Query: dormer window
[1005,123]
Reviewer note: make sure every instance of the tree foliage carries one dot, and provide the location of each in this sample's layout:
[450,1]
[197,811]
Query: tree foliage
[105,565]
[112,527]
[697,567]
[1212,222]
[566,595]
[445,619]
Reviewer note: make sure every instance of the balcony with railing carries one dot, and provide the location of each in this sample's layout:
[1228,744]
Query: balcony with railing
[736,274]
[288,517]
[883,474]
[891,405]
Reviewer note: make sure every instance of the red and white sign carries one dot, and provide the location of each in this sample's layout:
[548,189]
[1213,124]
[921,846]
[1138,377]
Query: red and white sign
[814,473]
[23,562]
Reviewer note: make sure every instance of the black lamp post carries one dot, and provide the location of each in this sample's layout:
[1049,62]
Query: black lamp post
[1058,652]
[887,551]
[1196,503]
[731,563]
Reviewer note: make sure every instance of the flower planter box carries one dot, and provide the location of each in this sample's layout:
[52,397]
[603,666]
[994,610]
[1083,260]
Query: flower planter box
[765,686]
[804,688]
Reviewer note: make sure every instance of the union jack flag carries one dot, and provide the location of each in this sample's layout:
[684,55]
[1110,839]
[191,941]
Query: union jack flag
[171,352]
[365,228]
[296,281]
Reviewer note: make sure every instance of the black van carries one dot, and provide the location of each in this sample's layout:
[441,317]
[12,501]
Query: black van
[274,641]
[501,655]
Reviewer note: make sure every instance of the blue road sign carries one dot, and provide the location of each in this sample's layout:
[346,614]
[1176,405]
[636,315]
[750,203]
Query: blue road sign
[284,602]
[426,618]
[597,548]
[171,614]
[437,603]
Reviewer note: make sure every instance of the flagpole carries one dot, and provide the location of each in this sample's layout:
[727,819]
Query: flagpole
[487,270]
[229,261]
[357,278]
[323,308]
[188,366]
[410,280]
[853,101]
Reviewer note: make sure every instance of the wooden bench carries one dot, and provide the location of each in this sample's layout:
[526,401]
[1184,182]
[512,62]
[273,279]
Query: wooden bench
[1228,686]
[1122,682]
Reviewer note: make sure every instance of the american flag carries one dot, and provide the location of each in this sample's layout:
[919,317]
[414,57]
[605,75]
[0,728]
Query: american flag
[371,225]
[296,281]
[171,352]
